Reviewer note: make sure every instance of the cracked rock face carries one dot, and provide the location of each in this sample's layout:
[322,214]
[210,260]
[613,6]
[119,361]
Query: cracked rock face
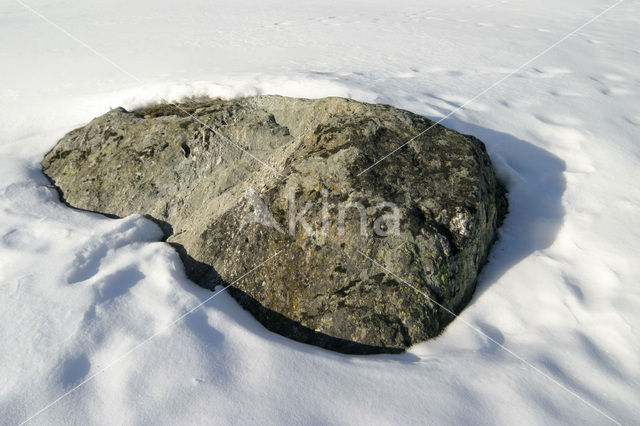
[366,263]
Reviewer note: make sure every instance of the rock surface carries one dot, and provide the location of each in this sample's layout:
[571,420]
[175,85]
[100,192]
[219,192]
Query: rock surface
[202,170]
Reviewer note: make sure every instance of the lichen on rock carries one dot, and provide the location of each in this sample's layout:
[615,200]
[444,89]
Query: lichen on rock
[429,213]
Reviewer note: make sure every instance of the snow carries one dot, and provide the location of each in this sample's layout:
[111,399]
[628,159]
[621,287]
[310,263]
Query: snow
[88,304]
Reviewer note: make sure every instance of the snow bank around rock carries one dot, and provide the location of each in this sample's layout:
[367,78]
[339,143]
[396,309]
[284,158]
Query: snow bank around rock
[82,294]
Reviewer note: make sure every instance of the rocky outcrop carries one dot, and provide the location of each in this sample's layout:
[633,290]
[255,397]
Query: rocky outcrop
[234,182]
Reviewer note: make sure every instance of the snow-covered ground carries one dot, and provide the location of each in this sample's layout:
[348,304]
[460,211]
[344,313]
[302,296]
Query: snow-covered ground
[87,303]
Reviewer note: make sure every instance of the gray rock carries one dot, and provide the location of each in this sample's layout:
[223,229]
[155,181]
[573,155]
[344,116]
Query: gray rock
[225,209]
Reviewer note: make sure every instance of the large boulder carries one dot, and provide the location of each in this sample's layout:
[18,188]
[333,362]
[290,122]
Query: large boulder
[366,262]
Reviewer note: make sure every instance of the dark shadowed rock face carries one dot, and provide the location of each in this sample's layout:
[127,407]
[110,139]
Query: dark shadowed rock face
[206,192]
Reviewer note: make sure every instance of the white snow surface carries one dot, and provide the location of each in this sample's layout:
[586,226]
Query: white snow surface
[87,303]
